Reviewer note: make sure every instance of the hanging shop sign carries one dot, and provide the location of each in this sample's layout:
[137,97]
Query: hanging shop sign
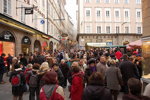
[7,36]
[28,11]
[26,40]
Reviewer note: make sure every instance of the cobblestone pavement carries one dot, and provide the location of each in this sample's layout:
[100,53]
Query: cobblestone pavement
[5,92]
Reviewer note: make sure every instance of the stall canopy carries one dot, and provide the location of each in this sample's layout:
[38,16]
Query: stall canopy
[137,43]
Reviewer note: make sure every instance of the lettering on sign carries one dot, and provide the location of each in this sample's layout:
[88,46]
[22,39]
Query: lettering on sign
[7,36]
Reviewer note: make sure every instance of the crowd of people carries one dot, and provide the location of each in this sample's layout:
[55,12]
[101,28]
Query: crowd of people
[97,74]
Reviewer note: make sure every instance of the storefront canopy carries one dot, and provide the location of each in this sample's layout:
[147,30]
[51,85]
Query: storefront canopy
[137,43]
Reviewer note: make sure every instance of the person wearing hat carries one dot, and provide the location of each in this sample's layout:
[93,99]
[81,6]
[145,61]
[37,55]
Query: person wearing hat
[90,69]
[51,90]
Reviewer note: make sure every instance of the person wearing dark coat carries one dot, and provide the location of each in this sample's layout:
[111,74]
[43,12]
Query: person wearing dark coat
[23,60]
[56,68]
[64,68]
[96,89]
[18,91]
[9,62]
[2,68]
[90,69]
[128,70]
[39,59]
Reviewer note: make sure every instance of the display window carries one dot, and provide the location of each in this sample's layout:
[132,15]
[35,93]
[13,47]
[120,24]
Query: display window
[7,48]
[146,60]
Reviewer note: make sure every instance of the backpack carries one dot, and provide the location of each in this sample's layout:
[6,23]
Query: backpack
[16,80]
[33,81]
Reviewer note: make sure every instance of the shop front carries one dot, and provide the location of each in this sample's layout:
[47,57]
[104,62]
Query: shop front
[146,61]
[7,43]
[37,46]
[26,43]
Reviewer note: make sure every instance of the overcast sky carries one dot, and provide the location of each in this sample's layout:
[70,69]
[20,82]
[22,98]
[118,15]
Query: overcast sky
[71,8]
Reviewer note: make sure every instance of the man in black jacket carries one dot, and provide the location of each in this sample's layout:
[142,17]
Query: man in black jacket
[128,70]
[2,67]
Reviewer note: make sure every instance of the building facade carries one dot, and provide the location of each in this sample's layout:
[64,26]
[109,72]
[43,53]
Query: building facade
[107,18]
[31,25]
[146,39]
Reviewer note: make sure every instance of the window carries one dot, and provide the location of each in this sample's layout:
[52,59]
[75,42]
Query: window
[98,13]
[126,29]
[139,30]
[107,29]
[138,1]
[116,1]
[7,7]
[126,13]
[98,29]
[126,1]
[97,1]
[106,1]
[107,13]
[117,13]
[88,29]
[88,12]
[117,29]
[138,14]
[87,1]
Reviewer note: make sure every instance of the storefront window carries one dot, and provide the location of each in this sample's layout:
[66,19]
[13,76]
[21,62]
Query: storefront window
[146,61]
[7,43]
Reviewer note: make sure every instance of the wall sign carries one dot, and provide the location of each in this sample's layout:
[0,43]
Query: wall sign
[28,11]
[7,36]
[26,40]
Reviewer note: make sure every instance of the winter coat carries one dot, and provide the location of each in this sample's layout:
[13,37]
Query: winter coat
[39,59]
[77,86]
[88,73]
[24,61]
[64,69]
[92,92]
[132,97]
[2,65]
[113,78]
[101,68]
[118,55]
[60,77]
[52,90]
[128,70]
[18,90]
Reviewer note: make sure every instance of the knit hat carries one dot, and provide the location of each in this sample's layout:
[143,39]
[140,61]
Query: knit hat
[50,77]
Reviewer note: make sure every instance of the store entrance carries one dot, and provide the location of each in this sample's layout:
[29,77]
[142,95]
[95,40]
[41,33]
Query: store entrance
[7,43]
[26,42]
[37,46]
